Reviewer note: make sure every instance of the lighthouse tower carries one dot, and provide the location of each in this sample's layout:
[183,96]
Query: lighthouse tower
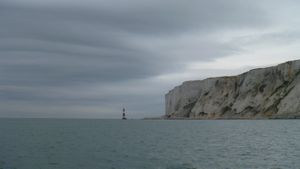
[123,115]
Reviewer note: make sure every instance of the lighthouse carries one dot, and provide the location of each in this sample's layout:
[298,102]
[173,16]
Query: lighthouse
[123,115]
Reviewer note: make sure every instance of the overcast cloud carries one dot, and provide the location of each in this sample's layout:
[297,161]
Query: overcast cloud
[88,59]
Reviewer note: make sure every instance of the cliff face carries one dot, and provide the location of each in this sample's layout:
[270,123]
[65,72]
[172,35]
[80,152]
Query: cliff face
[272,92]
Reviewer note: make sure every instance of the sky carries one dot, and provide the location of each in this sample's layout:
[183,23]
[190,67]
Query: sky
[91,58]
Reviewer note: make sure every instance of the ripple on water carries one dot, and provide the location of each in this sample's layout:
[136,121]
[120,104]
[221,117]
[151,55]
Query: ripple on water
[181,166]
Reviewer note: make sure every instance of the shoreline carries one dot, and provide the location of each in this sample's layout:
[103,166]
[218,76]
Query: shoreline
[186,118]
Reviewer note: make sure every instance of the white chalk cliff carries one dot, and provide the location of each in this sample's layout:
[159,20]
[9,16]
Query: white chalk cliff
[264,93]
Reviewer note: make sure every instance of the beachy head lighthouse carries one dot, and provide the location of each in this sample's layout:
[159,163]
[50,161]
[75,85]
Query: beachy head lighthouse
[123,115]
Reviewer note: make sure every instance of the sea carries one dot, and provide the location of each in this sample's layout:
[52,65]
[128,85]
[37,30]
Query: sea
[149,144]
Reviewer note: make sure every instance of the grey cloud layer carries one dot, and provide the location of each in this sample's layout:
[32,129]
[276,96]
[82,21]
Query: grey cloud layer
[60,45]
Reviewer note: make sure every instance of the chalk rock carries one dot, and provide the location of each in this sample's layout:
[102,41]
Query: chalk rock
[272,92]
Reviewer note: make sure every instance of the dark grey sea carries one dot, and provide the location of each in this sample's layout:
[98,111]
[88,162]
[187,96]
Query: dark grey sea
[143,144]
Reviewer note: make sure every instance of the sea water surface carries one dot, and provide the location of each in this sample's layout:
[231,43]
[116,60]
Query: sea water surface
[147,144]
